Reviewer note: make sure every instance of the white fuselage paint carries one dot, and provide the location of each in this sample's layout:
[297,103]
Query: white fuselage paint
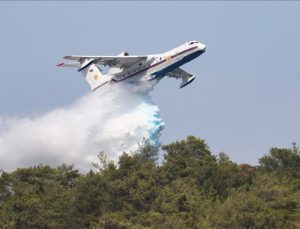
[146,70]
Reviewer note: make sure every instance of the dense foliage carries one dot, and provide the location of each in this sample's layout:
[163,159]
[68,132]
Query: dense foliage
[192,188]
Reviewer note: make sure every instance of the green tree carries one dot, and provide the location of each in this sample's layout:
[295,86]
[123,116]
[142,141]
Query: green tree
[282,160]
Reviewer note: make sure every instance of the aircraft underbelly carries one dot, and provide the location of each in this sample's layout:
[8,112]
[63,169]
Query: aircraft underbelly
[177,64]
[150,75]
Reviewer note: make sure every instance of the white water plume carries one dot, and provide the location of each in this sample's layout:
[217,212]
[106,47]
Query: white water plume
[113,119]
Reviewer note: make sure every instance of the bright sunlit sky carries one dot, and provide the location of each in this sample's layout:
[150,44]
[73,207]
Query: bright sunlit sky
[246,95]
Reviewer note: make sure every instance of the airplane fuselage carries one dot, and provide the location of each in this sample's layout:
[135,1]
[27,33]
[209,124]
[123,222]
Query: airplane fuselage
[157,66]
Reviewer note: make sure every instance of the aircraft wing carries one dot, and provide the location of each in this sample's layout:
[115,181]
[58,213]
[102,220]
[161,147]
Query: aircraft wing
[186,77]
[108,60]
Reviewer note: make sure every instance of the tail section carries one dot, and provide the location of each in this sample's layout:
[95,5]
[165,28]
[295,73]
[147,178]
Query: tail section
[93,76]
[90,71]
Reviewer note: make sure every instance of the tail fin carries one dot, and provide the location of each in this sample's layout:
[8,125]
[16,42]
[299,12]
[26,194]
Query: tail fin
[93,76]
[90,71]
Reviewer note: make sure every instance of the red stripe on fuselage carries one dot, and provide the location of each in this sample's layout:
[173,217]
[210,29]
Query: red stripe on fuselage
[154,65]
[151,66]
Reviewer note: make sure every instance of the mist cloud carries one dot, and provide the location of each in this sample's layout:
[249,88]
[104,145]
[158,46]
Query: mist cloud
[113,119]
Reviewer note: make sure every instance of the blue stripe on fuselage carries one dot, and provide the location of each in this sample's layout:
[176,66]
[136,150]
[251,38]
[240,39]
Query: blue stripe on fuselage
[183,61]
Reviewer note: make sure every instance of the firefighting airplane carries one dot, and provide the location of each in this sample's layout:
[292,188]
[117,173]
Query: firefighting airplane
[137,69]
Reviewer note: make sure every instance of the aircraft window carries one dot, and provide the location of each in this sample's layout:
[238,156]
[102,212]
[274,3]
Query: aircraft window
[140,64]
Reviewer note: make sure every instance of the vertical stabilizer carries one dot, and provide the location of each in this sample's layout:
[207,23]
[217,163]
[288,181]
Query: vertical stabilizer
[92,74]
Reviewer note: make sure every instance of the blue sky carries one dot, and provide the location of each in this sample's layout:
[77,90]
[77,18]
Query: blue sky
[244,100]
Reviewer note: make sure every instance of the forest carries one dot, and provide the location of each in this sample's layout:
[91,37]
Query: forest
[190,188]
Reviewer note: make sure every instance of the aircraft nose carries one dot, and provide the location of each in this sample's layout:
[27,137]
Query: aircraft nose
[202,46]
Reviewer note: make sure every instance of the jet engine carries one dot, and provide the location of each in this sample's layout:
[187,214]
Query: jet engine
[124,54]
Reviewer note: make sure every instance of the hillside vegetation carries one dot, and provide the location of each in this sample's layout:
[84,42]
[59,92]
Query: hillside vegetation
[192,188]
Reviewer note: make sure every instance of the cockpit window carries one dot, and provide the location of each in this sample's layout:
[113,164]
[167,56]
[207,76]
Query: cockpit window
[193,42]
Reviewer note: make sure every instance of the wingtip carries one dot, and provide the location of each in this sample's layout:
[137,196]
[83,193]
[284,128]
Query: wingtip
[60,65]
[191,79]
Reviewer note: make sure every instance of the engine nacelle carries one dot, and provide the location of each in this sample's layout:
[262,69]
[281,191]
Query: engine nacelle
[124,54]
